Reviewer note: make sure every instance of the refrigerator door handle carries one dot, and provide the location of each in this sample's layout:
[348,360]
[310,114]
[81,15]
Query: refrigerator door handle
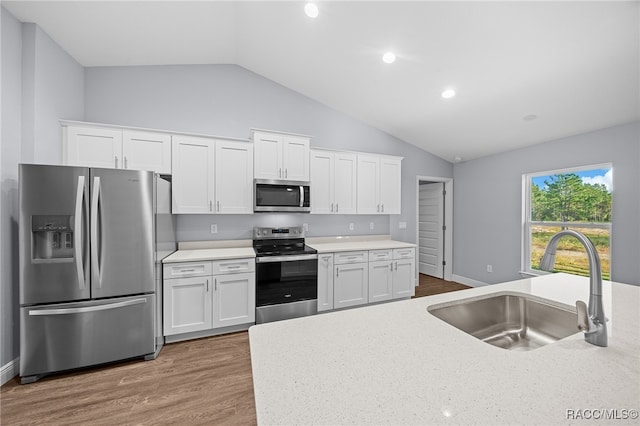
[78,243]
[95,266]
[64,311]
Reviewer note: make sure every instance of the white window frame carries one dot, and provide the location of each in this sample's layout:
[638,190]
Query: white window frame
[527,223]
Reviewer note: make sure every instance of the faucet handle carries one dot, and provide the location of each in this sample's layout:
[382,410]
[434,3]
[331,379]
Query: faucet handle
[583,316]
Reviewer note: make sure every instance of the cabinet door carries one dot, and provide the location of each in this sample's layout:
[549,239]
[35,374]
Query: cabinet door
[187,305]
[322,172]
[325,282]
[193,188]
[380,279]
[234,299]
[404,278]
[390,188]
[350,285]
[146,151]
[268,156]
[93,147]
[345,183]
[368,191]
[234,177]
[295,154]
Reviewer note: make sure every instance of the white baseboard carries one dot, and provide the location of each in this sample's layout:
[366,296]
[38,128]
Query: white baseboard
[467,281]
[9,371]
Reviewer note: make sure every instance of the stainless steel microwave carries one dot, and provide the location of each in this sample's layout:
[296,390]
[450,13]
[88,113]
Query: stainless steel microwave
[281,196]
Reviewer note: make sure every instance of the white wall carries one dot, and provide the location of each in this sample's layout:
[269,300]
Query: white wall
[40,84]
[228,100]
[488,202]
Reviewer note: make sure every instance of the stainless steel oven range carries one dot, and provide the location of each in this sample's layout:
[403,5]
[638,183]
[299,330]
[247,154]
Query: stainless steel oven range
[286,274]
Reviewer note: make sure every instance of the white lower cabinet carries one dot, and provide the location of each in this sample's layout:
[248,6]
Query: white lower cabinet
[348,279]
[380,281]
[200,296]
[187,305]
[234,299]
[325,282]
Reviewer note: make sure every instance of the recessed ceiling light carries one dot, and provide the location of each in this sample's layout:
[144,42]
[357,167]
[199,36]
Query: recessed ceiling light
[529,117]
[448,93]
[389,57]
[311,9]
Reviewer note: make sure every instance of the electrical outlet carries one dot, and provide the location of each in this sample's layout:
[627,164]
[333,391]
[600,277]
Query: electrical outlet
[305,227]
[371,226]
[489,268]
[214,228]
[351,226]
[402,225]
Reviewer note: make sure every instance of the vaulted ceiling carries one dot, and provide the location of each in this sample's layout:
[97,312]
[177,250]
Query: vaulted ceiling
[523,72]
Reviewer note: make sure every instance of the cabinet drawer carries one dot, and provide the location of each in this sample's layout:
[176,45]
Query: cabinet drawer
[186,269]
[351,257]
[232,266]
[375,255]
[404,253]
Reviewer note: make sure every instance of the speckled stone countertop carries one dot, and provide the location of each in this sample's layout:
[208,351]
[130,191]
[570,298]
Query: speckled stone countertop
[355,243]
[394,363]
[195,251]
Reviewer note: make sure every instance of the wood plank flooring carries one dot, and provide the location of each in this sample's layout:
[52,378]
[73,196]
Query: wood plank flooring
[204,381]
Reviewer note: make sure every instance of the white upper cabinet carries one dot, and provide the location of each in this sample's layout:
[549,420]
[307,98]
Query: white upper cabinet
[234,177]
[281,157]
[116,148]
[333,182]
[379,184]
[146,151]
[212,176]
[92,147]
[192,174]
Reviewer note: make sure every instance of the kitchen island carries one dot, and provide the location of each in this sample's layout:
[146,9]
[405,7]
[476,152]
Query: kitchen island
[395,363]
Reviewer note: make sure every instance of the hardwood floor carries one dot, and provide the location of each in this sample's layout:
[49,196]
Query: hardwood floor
[204,381]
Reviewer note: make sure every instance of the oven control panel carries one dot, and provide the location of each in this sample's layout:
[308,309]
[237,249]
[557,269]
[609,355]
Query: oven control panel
[270,233]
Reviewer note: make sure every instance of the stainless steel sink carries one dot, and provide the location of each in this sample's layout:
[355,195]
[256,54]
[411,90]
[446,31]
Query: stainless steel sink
[509,320]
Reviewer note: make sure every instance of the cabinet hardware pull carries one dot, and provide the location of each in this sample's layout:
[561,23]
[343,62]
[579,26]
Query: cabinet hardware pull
[233,266]
[391,266]
[378,208]
[218,205]
[116,161]
[337,207]
[382,208]
[125,162]
[331,207]
[187,270]
[207,286]
[215,284]
[210,205]
[286,172]
[279,173]
[337,272]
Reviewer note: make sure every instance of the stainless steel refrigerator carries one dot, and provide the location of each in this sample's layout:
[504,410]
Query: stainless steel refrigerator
[91,246]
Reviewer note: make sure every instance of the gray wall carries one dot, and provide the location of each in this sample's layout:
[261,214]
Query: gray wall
[488,202]
[40,84]
[228,100]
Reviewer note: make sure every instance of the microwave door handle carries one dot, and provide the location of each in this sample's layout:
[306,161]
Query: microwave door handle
[301,196]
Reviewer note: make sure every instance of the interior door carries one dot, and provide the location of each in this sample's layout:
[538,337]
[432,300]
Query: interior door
[122,232]
[431,235]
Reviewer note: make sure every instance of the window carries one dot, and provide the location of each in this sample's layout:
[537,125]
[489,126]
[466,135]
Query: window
[578,199]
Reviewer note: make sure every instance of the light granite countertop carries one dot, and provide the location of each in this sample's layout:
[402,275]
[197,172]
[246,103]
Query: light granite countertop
[394,363]
[198,251]
[355,243]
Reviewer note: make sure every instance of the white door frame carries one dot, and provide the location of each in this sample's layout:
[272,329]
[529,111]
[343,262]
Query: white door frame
[448,222]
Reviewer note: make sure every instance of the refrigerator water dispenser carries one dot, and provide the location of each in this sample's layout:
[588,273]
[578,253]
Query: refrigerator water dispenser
[52,238]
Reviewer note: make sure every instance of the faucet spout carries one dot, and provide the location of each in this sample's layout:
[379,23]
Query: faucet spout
[591,322]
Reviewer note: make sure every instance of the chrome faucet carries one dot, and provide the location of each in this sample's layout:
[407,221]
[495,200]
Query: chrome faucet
[591,322]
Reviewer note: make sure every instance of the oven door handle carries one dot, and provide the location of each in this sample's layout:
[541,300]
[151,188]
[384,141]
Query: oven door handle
[269,259]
